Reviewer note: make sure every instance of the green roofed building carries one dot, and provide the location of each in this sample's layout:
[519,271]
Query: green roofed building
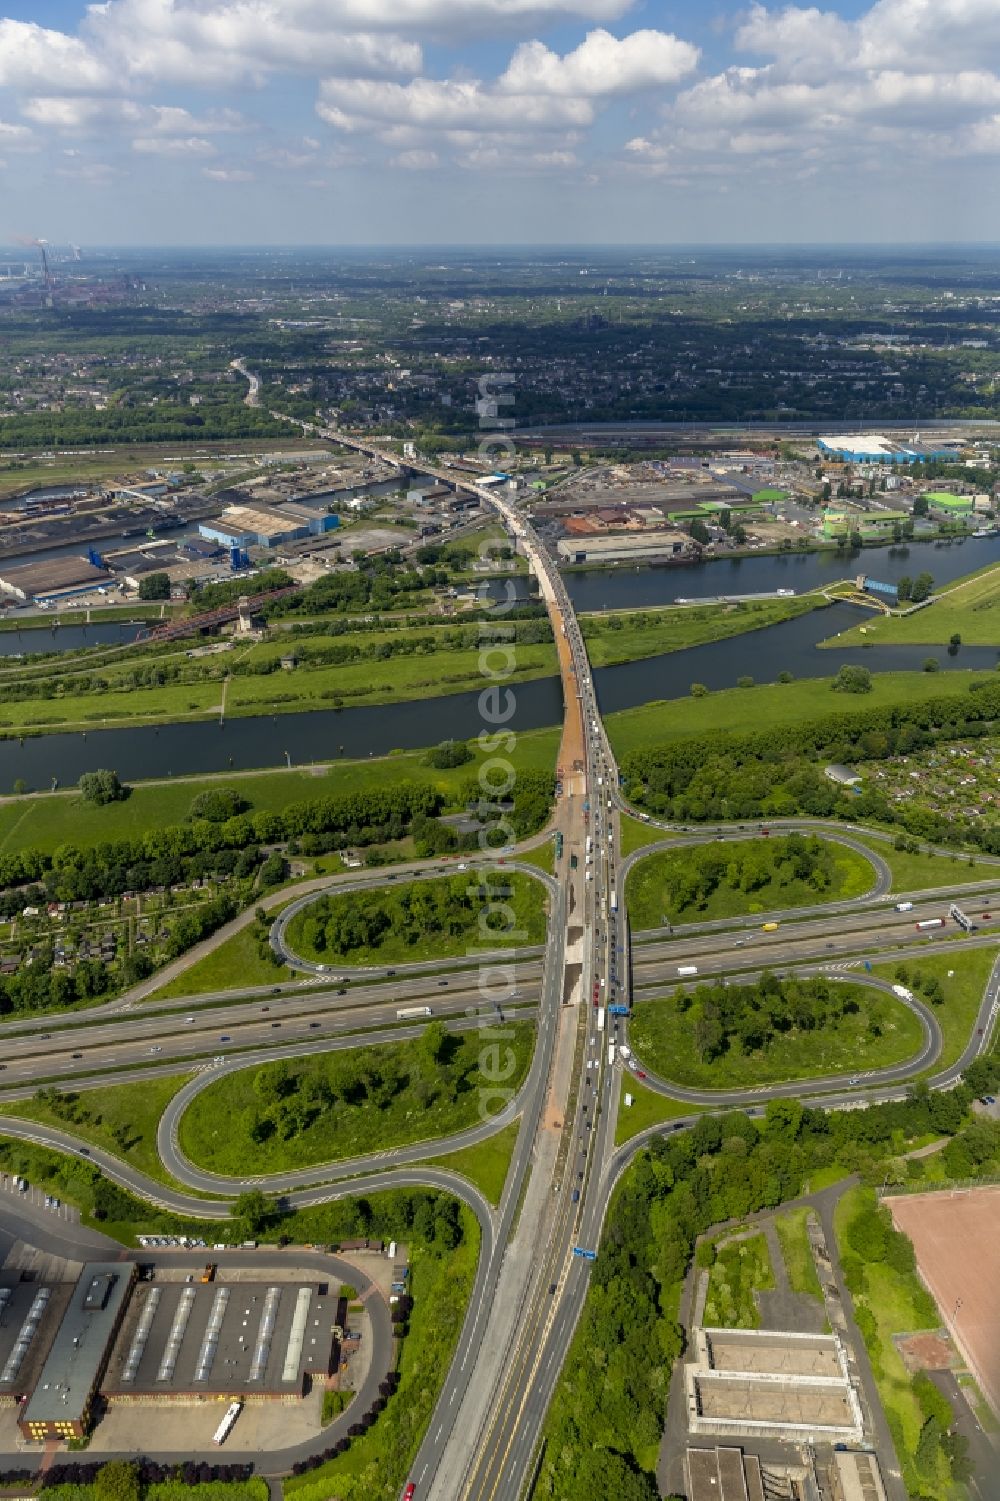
[956,505]
[768,497]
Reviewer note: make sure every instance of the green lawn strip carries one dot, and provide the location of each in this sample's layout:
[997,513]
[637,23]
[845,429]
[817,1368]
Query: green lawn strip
[121,1118]
[47,820]
[919,872]
[771,704]
[628,636]
[253,1489]
[659,886]
[889,1302]
[376,1465]
[415,929]
[739,1269]
[635,834]
[543,856]
[664,1039]
[825,1177]
[486,1164]
[395,680]
[796,1253]
[235,963]
[963,990]
[330,1106]
[970,608]
[647,1109]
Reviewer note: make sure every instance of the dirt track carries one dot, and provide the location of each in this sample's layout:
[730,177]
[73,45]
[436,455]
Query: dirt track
[956,1236]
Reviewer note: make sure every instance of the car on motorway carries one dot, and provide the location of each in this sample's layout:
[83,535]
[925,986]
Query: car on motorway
[225,1037]
[46,1037]
[639,1074]
[314,1024]
[986,916]
[275,1024]
[188,1020]
[410,1492]
[442,982]
[265,1008]
[76,1055]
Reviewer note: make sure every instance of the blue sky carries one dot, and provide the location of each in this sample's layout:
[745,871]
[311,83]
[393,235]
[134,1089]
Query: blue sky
[498,121]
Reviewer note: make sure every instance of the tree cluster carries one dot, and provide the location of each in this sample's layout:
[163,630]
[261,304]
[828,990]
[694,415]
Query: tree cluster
[746,1018]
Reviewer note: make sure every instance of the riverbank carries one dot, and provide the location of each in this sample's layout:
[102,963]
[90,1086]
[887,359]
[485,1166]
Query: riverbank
[618,637]
[968,608]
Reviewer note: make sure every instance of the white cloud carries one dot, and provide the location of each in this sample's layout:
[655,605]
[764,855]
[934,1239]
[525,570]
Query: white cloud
[173,146]
[12,135]
[601,65]
[455,104]
[227,174]
[34,57]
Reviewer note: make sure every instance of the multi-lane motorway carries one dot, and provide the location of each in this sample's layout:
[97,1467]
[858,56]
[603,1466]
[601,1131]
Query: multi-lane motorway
[483,1440]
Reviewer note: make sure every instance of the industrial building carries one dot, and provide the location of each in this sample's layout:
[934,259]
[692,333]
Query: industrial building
[243,526]
[871,448]
[169,1336]
[778,1384]
[223,1339]
[727,1473]
[628,547]
[951,505]
[59,1406]
[57,578]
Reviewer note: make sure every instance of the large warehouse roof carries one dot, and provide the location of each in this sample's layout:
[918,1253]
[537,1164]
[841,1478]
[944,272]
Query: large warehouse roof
[80,1348]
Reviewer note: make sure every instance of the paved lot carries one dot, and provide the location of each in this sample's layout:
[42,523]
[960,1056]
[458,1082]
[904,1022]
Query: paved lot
[261,1426]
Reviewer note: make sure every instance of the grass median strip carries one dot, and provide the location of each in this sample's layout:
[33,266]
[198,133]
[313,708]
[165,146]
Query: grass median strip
[486,1164]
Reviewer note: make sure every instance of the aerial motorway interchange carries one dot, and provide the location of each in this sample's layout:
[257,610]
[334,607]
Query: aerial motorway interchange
[581,991]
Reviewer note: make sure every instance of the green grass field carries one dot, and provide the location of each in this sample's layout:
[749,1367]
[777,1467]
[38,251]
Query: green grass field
[917,872]
[635,834]
[969,608]
[408,940]
[377,1098]
[963,989]
[122,1118]
[46,820]
[664,1039]
[739,1270]
[624,636]
[796,1253]
[654,887]
[770,704]
[486,1164]
[235,963]
[543,857]
[647,1109]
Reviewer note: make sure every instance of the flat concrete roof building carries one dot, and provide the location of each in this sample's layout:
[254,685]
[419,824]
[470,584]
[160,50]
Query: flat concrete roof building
[872,448]
[59,1407]
[50,579]
[776,1384]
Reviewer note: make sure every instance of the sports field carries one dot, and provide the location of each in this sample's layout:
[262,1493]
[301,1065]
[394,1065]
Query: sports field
[954,1235]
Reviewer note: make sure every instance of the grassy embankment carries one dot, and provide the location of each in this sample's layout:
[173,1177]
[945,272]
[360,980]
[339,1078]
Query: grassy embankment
[768,705]
[647,1109]
[654,888]
[664,1038]
[340,1105]
[962,976]
[739,1269]
[121,1118]
[919,872]
[486,1164]
[46,820]
[628,636]
[236,962]
[416,931]
[969,608]
[635,834]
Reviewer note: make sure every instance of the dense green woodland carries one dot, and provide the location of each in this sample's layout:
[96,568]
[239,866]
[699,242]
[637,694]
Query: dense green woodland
[745,1018]
[603,1431]
[779,772]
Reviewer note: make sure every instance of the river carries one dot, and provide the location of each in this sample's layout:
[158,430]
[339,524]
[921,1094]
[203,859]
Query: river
[273,740]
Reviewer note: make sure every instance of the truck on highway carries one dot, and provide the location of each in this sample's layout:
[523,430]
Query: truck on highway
[411,1013]
[904,906]
[600,1019]
[614,901]
[687,969]
[930,922]
[590,844]
[902,992]
[611,1054]
[769,927]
